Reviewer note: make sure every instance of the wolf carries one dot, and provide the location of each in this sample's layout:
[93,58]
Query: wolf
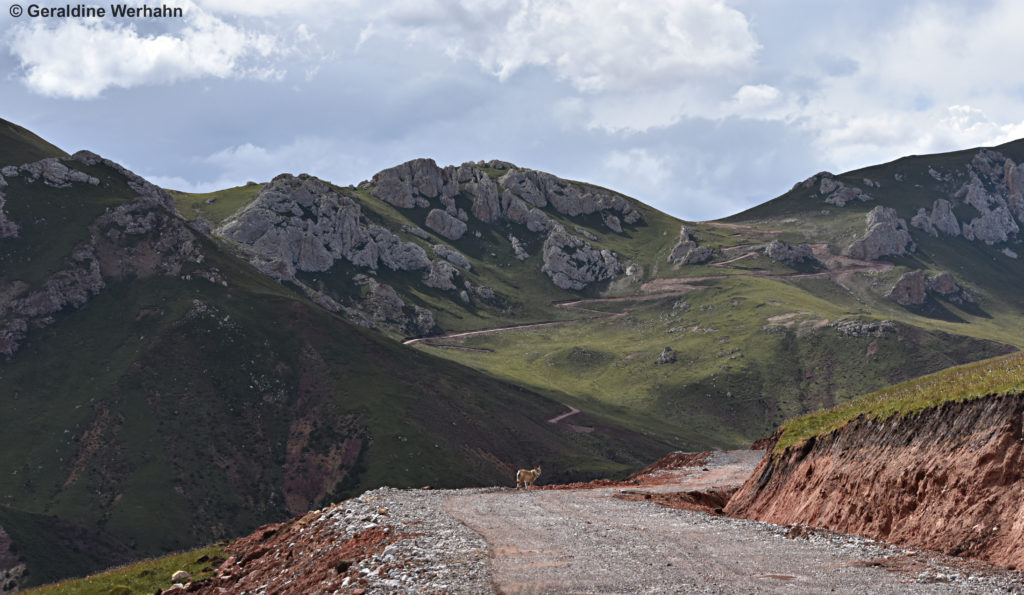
[526,477]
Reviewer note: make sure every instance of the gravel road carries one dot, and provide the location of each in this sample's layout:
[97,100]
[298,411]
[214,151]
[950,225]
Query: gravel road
[502,540]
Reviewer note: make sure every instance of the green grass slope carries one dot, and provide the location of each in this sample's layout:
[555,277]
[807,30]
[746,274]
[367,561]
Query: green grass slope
[18,145]
[992,377]
[169,411]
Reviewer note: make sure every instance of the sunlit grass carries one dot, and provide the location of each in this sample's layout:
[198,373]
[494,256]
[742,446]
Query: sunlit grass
[996,376]
[141,577]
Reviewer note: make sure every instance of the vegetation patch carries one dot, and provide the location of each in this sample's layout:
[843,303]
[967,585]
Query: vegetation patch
[147,576]
[996,376]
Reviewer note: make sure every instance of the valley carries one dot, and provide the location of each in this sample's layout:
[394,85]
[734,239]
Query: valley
[183,368]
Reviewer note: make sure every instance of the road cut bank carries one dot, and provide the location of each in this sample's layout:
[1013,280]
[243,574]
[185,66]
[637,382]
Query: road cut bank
[950,478]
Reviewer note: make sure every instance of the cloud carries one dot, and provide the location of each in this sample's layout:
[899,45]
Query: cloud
[594,45]
[80,58]
[237,164]
[933,79]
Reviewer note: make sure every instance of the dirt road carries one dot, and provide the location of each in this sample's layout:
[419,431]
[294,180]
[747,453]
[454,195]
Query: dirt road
[588,541]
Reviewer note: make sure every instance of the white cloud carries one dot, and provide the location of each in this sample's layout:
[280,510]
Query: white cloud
[238,164]
[83,57]
[595,45]
[935,79]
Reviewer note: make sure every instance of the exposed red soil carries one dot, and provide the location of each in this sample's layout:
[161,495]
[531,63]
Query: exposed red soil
[949,479]
[317,561]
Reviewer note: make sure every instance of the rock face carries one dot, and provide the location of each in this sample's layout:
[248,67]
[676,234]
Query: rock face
[687,251]
[302,224]
[995,188]
[572,263]
[789,254]
[948,478]
[886,235]
[941,219]
[909,290]
[836,192]
[139,238]
[412,184]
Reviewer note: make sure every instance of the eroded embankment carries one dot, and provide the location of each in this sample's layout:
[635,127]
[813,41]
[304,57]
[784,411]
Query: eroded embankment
[950,478]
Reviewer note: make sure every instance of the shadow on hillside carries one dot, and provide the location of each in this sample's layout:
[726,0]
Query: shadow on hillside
[938,310]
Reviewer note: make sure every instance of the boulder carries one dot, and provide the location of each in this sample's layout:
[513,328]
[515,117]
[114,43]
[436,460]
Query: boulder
[668,356]
[445,224]
[945,285]
[909,290]
[612,222]
[885,235]
[453,256]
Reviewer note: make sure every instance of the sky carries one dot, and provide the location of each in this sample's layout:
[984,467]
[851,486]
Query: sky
[700,108]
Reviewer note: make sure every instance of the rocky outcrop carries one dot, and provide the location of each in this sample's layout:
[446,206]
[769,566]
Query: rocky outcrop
[612,222]
[948,478]
[886,235]
[384,307]
[445,224]
[687,251]
[413,184]
[668,356]
[8,228]
[137,183]
[909,290]
[834,191]
[302,224]
[137,239]
[572,263]
[856,327]
[53,173]
[941,219]
[995,189]
[789,254]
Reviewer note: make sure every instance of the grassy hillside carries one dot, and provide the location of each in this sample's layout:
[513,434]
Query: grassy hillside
[997,376]
[18,145]
[170,411]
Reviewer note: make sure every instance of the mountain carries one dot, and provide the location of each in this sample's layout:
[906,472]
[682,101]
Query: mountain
[183,367]
[159,392]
